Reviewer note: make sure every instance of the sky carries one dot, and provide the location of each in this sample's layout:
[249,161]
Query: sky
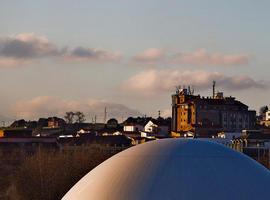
[128,56]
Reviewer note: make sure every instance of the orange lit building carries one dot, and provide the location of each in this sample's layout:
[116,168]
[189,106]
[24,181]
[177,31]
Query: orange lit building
[206,116]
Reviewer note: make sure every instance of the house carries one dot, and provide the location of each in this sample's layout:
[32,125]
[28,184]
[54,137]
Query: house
[134,124]
[156,128]
[55,122]
[264,118]
[267,115]
[133,127]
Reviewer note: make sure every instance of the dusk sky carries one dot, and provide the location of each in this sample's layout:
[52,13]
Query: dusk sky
[57,56]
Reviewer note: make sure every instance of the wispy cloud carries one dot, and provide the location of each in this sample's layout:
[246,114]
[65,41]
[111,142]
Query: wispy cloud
[44,106]
[199,57]
[153,82]
[202,57]
[91,54]
[150,56]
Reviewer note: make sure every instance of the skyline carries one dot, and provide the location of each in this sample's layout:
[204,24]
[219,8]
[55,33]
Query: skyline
[128,56]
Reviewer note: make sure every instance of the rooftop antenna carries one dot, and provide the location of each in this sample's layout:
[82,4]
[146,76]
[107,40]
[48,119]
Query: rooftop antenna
[178,88]
[105,115]
[190,90]
[214,88]
[159,112]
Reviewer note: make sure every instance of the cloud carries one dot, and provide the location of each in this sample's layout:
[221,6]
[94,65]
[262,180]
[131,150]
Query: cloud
[44,106]
[151,55]
[28,47]
[153,82]
[202,57]
[91,54]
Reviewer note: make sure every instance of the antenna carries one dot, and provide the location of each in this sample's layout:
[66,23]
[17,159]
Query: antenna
[178,88]
[159,113]
[105,115]
[190,90]
[214,88]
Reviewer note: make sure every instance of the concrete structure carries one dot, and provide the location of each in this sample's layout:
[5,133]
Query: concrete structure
[208,116]
[175,169]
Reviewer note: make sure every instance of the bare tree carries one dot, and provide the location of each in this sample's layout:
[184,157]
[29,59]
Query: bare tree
[69,117]
[80,117]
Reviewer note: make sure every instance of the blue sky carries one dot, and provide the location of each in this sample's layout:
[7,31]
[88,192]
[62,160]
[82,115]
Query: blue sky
[129,55]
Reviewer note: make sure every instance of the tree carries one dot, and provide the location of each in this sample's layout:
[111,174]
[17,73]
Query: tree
[263,110]
[69,117]
[112,121]
[80,117]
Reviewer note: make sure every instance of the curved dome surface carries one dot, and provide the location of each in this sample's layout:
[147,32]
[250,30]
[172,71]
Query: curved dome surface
[182,169]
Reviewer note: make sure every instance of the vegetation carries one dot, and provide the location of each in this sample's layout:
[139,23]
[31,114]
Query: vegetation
[263,110]
[79,117]
[72,117]
[49,175]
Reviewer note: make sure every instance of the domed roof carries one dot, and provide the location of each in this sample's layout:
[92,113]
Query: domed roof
[187,169]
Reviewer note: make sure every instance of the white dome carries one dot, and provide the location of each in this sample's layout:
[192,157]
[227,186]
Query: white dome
[171,169]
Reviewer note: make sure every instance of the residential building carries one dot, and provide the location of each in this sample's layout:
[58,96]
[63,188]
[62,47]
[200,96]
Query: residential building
[133,127]
[157,128]
[206,116]
[267,115]
[55,122]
